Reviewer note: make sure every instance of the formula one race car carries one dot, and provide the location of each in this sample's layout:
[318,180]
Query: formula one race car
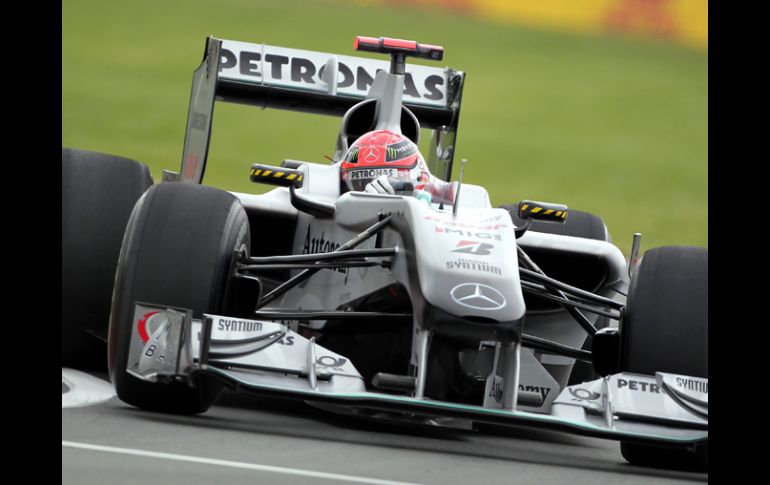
[374,286]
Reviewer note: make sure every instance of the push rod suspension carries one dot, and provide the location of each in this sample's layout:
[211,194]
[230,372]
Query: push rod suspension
[576,314]
[572,290]
[549,347]
[253,262]
[307,273]
[533,289]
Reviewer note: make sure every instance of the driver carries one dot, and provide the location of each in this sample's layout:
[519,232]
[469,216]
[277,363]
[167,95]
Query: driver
[386,162]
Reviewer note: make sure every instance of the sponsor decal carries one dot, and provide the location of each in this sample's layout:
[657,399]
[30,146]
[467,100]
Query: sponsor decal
[474,247]
[287,340]
[329,361]
[543,391]
[469,264]
[638,386]
[283,66]
[146,322]
[477,296]
[226,325]
[487,224]
[496,389]
[372,173]
[692,384]
[371,154]
[402,149]
[320,244]
[463,232]
[581,394]
[352,155]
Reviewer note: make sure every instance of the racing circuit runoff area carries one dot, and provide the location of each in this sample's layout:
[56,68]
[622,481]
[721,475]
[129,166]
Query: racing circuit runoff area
[245,439]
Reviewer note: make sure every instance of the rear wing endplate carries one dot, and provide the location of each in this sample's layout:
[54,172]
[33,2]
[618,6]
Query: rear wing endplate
[298,80]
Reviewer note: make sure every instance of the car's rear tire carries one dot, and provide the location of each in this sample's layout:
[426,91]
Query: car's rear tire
[177,251]
[665,329]
[98,193]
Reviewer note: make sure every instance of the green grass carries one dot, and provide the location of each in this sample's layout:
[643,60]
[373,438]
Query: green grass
[617,127]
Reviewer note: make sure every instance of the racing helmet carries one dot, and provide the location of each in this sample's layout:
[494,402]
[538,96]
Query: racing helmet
[383,152]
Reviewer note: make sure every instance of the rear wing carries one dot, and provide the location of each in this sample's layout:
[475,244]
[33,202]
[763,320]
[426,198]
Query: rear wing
[298,80]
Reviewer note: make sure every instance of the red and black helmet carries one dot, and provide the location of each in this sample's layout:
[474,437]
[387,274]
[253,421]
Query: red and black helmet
[378,153]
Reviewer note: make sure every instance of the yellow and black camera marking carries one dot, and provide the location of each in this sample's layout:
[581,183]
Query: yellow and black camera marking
[281,176]
[542,211]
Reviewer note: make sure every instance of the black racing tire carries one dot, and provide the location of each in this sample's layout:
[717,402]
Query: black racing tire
[665,328]
[584,371]
[177,251]
[578,224]
[98,192]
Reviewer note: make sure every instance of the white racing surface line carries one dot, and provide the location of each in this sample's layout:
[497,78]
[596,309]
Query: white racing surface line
[84,389]
[232,464]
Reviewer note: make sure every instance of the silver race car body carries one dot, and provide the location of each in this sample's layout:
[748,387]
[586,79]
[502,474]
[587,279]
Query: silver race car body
[338,279]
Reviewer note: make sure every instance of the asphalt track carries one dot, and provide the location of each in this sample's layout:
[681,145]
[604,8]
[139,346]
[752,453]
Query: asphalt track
[244,439]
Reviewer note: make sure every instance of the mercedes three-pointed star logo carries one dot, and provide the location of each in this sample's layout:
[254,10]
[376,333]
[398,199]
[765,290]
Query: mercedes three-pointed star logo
[371,155]
[478,296]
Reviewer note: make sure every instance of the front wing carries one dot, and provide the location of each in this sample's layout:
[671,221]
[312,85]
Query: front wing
[269,359]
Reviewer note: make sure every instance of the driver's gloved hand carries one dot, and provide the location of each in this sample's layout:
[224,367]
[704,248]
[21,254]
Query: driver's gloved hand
[380,185]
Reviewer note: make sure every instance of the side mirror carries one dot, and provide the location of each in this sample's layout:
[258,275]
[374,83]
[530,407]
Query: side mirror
[281,176]
[542,211]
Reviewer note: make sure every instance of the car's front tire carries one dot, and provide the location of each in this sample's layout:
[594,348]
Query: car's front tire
[177,251]
[665,329]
